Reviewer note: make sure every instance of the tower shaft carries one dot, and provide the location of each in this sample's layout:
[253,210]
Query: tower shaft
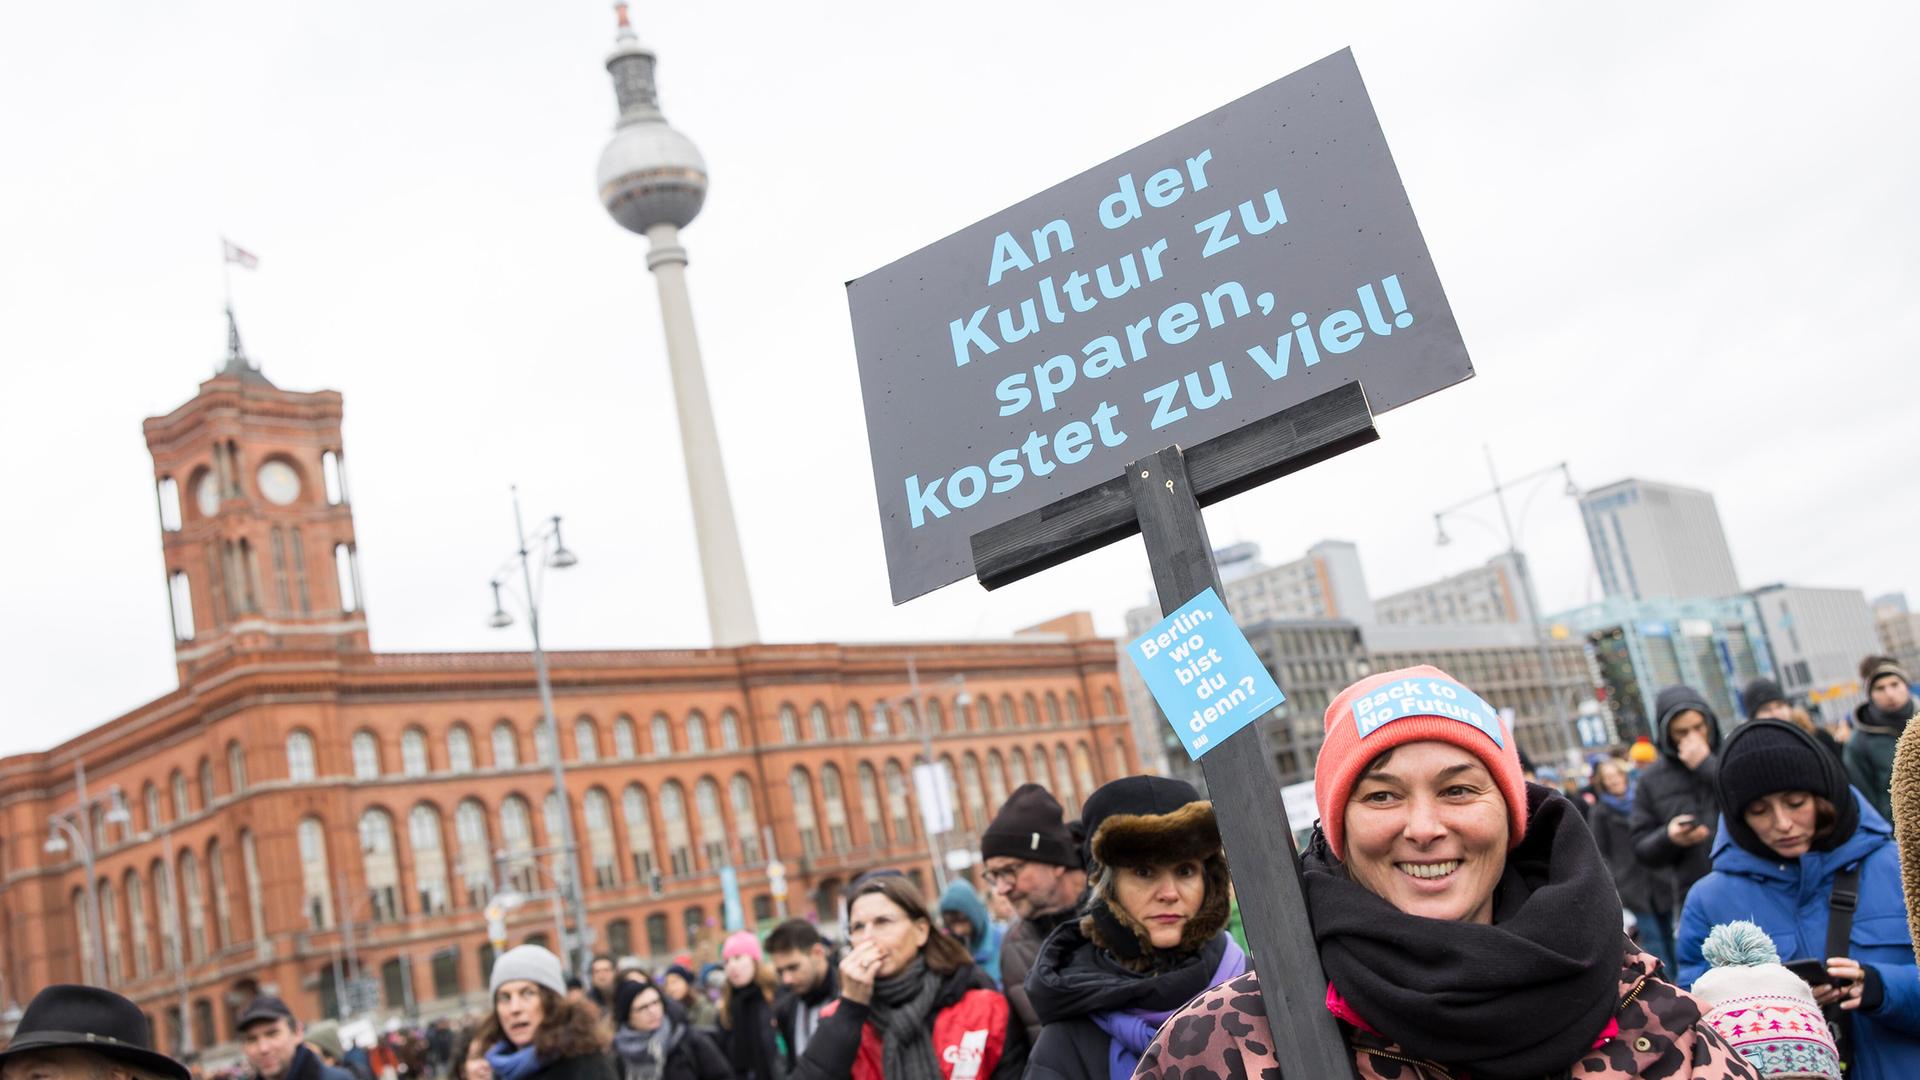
[723,569]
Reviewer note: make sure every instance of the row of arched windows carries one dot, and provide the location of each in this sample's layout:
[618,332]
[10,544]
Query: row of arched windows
[180,797]
[173,914]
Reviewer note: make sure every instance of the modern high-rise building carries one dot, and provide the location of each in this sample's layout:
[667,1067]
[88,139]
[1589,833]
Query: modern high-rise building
[1818,637]
[1638,647]
[1491,593]
[1654,541]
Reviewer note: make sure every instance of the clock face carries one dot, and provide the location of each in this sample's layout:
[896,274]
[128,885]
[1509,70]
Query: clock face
[207,495]
[279,483]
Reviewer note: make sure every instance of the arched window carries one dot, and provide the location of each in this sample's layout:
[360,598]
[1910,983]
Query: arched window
[206,783]
[713,822]
[380,864]
[657,944]
[597,809]
[729,730]
[366,756]
[476,852]
[1017,768]
[542,742]
[82,926]
[963,712]
[333,477]
[746,824]
[427,855]
[516,836]
[180,597]
[936,716]
[1120,766]
[586,740]
[182,803]
[413,752]
[222,909]
[1073,707]
[882,722]
[1083,768]
[150,797]
[315,886]
[166,902]
[897,805]
[817,723]
[553,815]
[1043,772]
[789,725]
[693,921]
[624,746]
[973,791]
[1032,709]
[800,789]
[1063,772]
[1053,709]
[951,775]
[662,735]
[110,916]
[236,767]
[506,745]
[673,807]
[459,750]
[1113,704]
[834,795]
[996,780]
[1009,718]
[347,573]
[696,733]
[639,819]
[870,809]
[856,721]
[168,490]
[137,917]
[909,717]
[250,872]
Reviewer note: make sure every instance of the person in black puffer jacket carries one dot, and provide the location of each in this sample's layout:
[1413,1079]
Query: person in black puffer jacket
[653,1041]
[1151,936]
[1675,810]
[534,1032]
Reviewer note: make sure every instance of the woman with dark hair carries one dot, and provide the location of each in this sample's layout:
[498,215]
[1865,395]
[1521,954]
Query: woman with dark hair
[653,1041]
[534,1032]
[1790,827]
[749,1030]
[1463,917]
[1153,935]
[912,1004]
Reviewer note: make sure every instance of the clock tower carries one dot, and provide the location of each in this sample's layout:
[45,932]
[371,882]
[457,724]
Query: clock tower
[255,520]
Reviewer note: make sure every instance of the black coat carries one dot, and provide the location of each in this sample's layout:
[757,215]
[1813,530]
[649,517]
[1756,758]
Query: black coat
[786,1009]
[1072,979]
[1667,789]
[307,1065]
[578,1067]
[691,1055]
[1634,880]
[749,1036]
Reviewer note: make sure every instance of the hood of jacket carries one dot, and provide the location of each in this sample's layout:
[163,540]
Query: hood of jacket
[961,898]
[1072,976]
[1673,701]
[1814,866]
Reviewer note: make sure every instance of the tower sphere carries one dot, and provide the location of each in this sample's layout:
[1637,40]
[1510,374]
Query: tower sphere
[649,173]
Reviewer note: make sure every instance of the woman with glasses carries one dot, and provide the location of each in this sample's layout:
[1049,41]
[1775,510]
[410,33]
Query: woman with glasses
[653,1041]
[913,1006]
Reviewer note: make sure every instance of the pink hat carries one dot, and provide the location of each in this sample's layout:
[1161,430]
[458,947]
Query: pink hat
[741,943]
[1416,704]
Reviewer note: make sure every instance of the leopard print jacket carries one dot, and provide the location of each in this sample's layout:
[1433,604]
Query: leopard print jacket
[1223,1035]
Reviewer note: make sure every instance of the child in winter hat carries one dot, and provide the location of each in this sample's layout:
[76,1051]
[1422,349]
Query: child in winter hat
[1763,1010]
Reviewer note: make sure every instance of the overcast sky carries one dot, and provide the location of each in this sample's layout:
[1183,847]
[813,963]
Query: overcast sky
[1678,238]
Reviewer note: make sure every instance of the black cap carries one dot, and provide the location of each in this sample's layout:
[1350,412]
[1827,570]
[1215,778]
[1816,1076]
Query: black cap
[264,1007]
[1765,756]
[89,1018]
[1031,826]
[1760,693]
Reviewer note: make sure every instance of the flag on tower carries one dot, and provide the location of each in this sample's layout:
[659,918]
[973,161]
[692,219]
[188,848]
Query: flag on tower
[237,254]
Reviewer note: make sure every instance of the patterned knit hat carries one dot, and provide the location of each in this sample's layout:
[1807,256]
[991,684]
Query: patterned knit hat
[1763,1010]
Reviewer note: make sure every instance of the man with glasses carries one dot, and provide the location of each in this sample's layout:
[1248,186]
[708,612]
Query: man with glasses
[1033,861]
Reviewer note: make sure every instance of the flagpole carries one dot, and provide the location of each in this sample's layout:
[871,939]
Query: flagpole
[226,274]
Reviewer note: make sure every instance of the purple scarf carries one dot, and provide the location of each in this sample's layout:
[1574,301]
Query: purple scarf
[1130,1031]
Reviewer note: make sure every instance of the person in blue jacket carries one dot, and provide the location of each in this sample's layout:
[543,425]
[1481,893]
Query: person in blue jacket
[1789,822]
[964,915]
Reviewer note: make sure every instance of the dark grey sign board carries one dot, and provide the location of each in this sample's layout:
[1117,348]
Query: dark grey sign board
[1242,263]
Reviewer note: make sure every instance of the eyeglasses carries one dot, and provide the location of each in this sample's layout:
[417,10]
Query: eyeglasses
[1005,874]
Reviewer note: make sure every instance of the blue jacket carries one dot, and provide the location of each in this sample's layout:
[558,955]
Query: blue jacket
[1789,900]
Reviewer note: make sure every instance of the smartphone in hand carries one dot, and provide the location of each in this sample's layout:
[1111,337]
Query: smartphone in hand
[1811,972]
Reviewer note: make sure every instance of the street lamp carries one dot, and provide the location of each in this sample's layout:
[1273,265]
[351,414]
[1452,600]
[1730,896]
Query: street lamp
[1499,495]
[558,557]
[64,835]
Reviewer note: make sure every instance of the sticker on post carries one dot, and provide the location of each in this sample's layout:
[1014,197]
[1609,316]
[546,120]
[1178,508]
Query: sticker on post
[1205,676]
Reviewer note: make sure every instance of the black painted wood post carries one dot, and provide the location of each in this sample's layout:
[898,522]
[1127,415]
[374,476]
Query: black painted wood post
[1253,823]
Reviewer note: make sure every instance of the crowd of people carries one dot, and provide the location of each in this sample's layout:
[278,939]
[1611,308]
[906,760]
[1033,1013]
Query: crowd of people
[1721,903]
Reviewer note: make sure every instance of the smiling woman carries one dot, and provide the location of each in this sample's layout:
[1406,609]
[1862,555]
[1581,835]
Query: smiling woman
[1464,918]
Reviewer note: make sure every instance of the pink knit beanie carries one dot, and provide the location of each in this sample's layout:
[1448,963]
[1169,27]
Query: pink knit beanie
[741,943]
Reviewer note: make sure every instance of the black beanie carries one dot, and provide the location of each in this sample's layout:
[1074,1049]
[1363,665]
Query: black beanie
[1030,826]
[1765,756]
[1758,694]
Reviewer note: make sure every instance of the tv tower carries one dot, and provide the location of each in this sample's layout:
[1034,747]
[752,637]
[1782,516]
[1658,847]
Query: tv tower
[653,181]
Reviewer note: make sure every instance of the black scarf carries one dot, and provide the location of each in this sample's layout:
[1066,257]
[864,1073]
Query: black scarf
[902,1011]
[1893,722]
[1523,997]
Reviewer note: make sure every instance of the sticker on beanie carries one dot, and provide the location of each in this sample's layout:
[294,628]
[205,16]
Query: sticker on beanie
[1443,698]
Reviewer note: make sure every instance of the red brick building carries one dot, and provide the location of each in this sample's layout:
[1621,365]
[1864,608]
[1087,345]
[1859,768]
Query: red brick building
[300,798]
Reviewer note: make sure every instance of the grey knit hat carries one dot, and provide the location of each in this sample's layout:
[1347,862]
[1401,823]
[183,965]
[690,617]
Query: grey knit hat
[531,963]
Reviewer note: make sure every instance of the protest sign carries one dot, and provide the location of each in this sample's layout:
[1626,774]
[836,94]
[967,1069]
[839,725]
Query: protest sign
[1207,679]
[1252,259]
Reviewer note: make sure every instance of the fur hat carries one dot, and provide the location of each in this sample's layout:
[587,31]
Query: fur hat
[1415,704]
[1150,821]
[1763,1010]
